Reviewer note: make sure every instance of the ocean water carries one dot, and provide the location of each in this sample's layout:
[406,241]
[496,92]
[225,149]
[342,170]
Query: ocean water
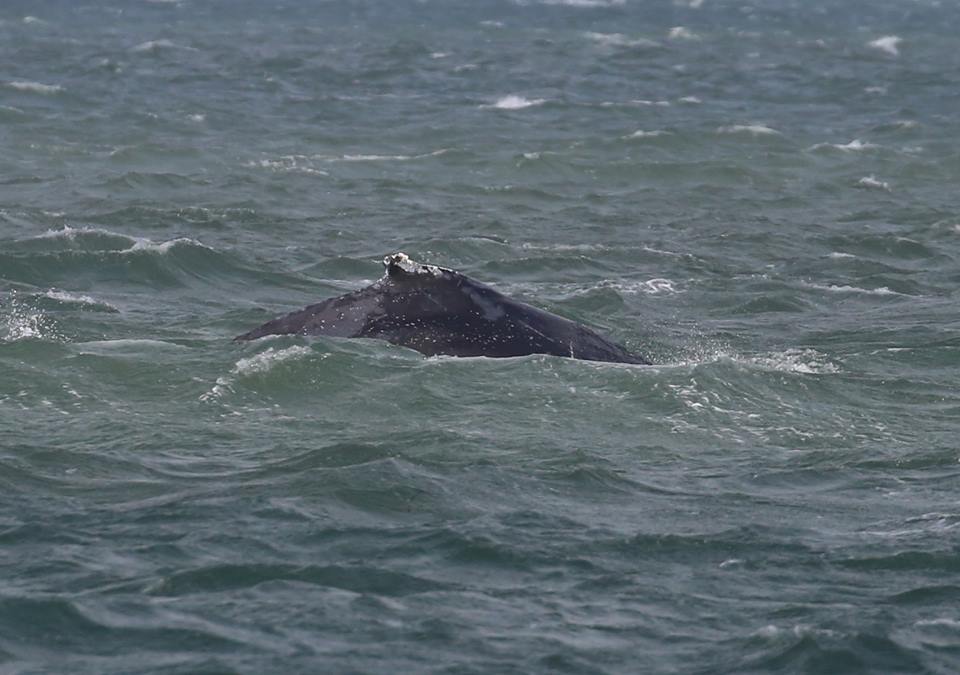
[761,195]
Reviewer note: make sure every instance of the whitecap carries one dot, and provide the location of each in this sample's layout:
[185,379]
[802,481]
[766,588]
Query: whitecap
[151,46]
[876,89]
[266,360]
[945,622]
[35,87]
[692,4]
[126,345]
[803,361]
[584,3]
[620,40]
[133,243]
[856,145]
[641,101]
[513,102]
[387,158]
[257,364]
[492,24]
[289,163]
[197,117]
[887,43]
[164,247]
[640,133]
[656,286]
[873,183]
[24,322]
[73,299]
[882,290]
[752,129]
[32,19]
[838,254]
[690,99]
[682,33]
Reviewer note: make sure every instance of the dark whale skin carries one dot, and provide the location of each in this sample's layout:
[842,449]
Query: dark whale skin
[435,310]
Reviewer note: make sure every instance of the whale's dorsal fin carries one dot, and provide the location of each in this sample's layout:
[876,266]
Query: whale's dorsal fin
[399,264]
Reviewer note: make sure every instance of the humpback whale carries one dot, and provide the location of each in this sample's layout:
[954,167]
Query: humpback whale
[436,310]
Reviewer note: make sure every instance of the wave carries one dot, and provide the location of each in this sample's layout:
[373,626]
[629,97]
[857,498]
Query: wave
[513,102]
[882,290]
[97,239]
[587,4]
[856,145]
[873,183]
[682,33]
[151,46]
[620,40]
[258,364]
[889,44]
[802,361]
[640,133]
[35,87]
[751,129]
[657,286]
[57,257]
[82,301]
[20,320]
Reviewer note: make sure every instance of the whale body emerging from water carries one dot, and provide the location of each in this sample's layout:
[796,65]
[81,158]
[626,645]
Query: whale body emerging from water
[435,310]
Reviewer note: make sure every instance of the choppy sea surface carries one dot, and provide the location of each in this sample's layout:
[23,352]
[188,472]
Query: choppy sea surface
[762,196]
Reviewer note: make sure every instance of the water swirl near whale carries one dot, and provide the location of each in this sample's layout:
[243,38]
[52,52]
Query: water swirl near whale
[436,310]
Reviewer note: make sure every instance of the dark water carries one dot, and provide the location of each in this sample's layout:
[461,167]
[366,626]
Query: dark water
[762,196]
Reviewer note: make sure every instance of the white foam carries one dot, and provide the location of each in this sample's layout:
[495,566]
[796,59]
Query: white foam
[492,24]
[690,99]
[876,89]
[151,46]
[513,102]
[290,163]
[943,622]
[682,33]
[267,360]
[873,183]
[135,243]
[257,364]
[838,254]
[692,4]
[35,87]
[21,326]
[388,158]
[164,246]
[70,298]
[657,286]
[641,101]
[197,117]
[439,55]
[640,133]
[32,19]
[752,129]
[882,290]
[804,361]
[856,145]
[584,3]
[731,562]
[25,322]
[621,40]
[887,43]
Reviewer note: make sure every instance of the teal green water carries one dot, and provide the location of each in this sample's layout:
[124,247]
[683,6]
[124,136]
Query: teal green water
[762,196]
